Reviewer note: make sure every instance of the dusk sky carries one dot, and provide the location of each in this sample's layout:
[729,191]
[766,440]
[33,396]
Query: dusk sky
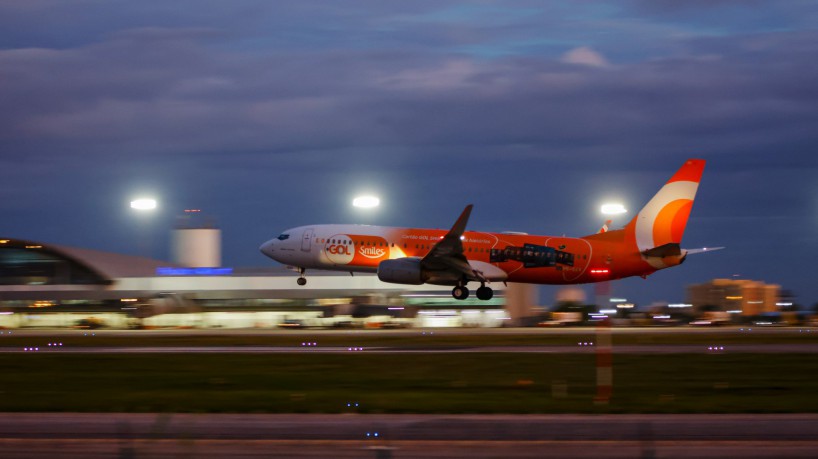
[269,115]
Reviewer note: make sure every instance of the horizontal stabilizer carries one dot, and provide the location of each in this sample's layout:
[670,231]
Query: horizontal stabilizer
[702,250]
[670,249]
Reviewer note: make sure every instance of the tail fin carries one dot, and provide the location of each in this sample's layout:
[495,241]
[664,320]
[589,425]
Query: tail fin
[662,221]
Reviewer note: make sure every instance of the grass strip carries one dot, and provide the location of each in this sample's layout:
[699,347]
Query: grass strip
[406,383]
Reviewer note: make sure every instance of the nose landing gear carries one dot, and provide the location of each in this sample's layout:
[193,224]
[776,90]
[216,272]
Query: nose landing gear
[301,279]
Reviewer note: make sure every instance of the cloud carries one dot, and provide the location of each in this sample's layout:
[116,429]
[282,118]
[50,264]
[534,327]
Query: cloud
[450,74]
[241,107]
[585,56]
[175,94]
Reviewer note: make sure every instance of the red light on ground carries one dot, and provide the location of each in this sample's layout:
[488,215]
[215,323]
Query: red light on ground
[192,210]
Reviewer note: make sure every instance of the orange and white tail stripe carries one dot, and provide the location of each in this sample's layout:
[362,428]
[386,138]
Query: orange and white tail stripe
[663,219]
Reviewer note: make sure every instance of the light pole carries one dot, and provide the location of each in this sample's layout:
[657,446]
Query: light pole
[602,290]
[613,208]
[145,207]
[366,205]
[366,202]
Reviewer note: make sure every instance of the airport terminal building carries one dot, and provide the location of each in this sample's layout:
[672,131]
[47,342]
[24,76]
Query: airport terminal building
[47,285]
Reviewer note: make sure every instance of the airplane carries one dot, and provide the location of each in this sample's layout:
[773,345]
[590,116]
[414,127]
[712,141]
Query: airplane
[415,256]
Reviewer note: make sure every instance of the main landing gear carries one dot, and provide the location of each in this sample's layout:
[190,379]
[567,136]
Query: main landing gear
[461,292]
[301,279]
[485,293]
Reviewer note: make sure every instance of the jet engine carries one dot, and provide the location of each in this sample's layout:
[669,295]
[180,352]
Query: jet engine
[401,271]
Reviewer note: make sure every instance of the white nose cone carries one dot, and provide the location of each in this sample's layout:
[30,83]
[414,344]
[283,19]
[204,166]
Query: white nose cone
[366,202]
[267,248]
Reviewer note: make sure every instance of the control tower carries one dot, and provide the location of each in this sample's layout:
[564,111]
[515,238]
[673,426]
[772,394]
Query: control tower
[196,241]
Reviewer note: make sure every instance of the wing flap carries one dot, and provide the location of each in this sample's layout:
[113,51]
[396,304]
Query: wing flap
[488,271]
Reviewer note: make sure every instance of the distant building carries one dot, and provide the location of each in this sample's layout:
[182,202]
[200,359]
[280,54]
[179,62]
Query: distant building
[745,297]
[196,242]
[48,285]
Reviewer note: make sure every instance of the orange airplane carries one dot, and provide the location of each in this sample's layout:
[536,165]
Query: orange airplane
[648,243]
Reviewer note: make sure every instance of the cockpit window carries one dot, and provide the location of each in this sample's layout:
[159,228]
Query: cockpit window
[283,237]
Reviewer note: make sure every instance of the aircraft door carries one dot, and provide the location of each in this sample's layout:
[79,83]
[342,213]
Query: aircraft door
[306,240]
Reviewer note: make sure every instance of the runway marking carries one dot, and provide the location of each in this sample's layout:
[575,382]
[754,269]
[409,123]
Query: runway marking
[804,348]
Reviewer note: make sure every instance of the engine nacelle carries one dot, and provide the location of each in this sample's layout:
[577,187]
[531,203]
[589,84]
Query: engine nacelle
[401,271]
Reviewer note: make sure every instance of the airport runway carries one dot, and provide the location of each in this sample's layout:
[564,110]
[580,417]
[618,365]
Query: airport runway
[407,436]
[802,348]
[93,435]
[309,341]
[459,331]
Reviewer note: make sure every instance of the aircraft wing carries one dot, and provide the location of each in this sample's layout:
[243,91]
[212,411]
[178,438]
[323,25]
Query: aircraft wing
[447,261]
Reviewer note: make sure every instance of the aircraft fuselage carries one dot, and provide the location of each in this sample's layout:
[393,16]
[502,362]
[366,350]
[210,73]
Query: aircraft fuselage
[525,258]
[649,242]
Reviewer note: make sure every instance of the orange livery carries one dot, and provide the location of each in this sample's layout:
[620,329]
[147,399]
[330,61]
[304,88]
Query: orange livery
[649,242]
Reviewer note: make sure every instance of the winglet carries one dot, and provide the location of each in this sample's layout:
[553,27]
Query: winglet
[460,225]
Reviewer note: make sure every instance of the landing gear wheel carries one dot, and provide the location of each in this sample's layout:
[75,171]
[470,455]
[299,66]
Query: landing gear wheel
[302,281]
[485,293]
[460,292]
